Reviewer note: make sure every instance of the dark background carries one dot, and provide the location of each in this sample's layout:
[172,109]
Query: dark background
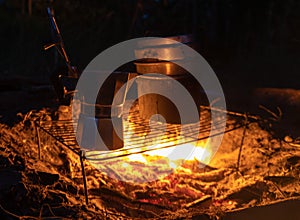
[253,41]
[248,43]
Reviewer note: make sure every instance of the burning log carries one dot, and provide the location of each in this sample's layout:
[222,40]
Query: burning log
[212,176]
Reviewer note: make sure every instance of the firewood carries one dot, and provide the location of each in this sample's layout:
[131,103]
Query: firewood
[203,202]
[212,176]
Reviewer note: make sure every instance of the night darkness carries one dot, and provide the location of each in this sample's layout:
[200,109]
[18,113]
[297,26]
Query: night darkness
[256,42]
[249,44]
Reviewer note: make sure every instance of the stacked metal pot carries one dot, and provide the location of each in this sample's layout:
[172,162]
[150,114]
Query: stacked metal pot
[167,51]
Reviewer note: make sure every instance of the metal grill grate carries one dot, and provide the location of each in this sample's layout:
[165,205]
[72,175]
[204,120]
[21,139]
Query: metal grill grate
[140,137]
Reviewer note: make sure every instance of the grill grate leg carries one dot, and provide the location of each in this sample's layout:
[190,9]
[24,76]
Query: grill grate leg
[82,157]
[38,141]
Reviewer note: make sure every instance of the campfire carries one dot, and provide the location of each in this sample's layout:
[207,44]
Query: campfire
[161,167]
[156,159]
[145,179]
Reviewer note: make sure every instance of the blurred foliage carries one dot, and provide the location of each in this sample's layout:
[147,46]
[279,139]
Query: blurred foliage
[226,29]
